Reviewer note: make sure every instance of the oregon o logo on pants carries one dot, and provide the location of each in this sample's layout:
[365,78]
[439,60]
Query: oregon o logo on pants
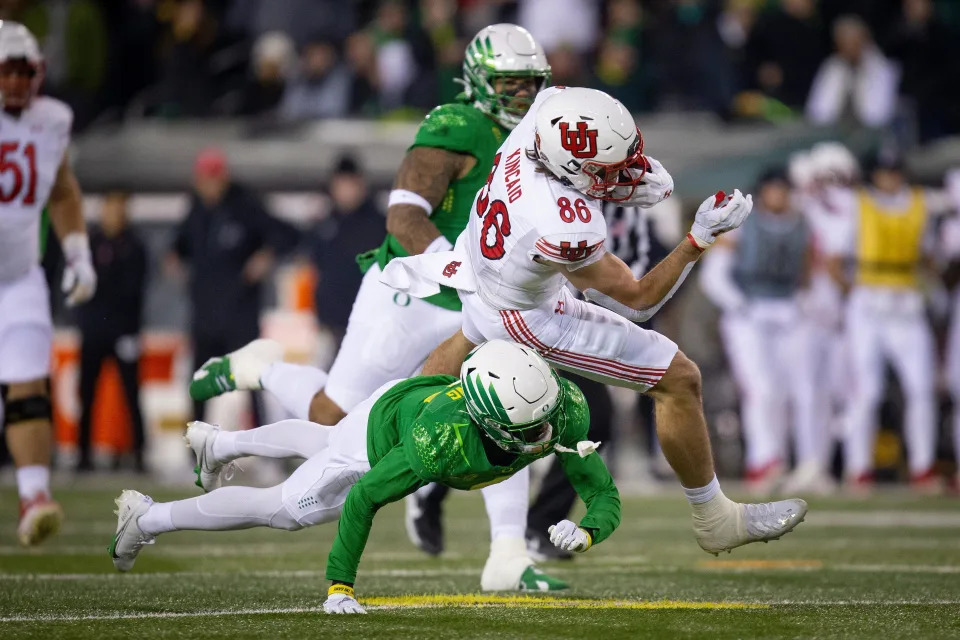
[401,299]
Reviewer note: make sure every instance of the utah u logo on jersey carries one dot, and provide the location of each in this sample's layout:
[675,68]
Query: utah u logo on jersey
[581,143]
[451,269]
[577,253]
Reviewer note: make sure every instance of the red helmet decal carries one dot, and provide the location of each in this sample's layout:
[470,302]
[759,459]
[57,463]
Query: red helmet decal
[581,143]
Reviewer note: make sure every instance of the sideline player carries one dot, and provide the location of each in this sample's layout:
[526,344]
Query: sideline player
[507,409]
[887,242]
[824,180]
[390,334]
[536,225]
[34,171]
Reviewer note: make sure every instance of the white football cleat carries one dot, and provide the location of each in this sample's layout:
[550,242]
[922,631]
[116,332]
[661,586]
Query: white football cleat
[200,437]
[726,525]
[249,361]
[509,568]
[238,370]
[129,538]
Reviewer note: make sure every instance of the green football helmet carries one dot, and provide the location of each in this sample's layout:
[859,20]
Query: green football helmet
[514,396]
[503,51]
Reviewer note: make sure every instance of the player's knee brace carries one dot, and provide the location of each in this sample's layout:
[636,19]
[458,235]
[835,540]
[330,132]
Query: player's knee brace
[28,409]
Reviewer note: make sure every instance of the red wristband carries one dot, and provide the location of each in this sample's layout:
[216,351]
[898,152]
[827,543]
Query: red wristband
[693,241]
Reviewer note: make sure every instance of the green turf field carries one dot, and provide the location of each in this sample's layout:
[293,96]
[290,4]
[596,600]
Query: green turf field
[888,567]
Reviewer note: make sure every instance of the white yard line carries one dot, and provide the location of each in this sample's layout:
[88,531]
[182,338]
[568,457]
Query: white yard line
[54,617]
[894,568]
[282,575]
[464,571]
[215,551]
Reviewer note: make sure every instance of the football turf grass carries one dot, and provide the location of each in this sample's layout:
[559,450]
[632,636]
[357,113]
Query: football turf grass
[886,567]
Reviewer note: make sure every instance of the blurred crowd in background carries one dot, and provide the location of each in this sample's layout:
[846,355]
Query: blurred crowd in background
[865,60]
[888,65]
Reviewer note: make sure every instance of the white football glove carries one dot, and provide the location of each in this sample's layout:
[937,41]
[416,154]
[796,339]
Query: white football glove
[342,603]
[657,185]
[568,536]
[79,277]
[719,214]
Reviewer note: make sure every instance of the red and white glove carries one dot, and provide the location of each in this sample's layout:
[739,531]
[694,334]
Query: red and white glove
[718,214]
[656,186]
[79,277]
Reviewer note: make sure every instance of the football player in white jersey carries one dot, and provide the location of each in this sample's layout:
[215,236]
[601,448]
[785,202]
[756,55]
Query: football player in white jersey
[34,172]
[538,224]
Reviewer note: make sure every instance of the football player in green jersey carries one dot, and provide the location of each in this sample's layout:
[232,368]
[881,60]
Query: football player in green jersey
[507,409]
[390,334]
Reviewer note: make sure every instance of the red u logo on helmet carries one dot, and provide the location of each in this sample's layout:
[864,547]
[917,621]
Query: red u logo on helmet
[581,143]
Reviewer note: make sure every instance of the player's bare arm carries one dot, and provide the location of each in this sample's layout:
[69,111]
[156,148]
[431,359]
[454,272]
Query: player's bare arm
[425,172]
[66,203]
[612,277]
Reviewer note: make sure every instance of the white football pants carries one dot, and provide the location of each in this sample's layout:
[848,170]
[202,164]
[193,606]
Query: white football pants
[770,351]
[886,324]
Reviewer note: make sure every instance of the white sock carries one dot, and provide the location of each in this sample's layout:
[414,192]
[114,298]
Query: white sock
[33,479]
[294,385]
[507,503]
[284,439]
[225,509]
[703,494]
[157,519]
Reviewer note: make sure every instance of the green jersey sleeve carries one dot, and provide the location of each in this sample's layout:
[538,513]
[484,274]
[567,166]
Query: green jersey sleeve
[594,484]
[453,127]
[589,476]
[388,481]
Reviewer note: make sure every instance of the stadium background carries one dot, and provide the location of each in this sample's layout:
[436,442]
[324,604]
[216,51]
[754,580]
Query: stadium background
[719,88]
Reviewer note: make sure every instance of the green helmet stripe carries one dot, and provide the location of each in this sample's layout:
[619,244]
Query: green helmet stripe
[500,412]
[486,400]
[474,394]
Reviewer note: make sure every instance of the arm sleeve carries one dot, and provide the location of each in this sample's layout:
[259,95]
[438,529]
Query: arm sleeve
[390,480]
[594,484]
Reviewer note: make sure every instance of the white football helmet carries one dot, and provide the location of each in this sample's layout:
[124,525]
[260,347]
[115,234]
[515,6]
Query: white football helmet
[17,43]
[513,395]
[589,140]
[834,163]
[502,51]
